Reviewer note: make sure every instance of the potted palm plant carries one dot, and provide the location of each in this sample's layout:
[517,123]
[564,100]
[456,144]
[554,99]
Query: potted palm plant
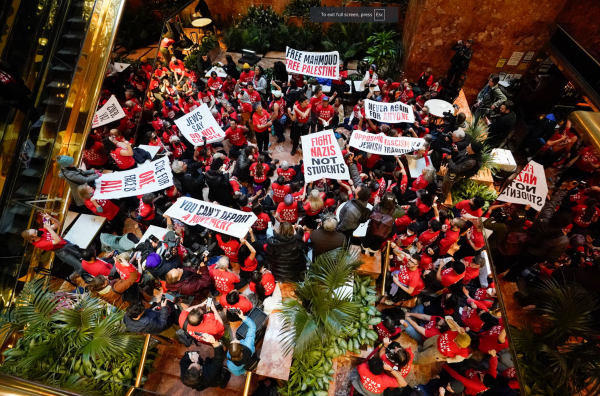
[478,131]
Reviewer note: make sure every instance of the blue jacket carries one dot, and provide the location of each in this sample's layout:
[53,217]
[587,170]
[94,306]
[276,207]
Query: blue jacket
[248,342]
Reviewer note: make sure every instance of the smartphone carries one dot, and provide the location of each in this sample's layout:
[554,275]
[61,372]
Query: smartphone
[209,302]
[154,239]
[169,297]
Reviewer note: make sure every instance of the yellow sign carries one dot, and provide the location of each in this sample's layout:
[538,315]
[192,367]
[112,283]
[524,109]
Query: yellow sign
[523,66]
[501,63]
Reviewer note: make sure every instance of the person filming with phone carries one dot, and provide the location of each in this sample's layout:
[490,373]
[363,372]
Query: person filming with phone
[240,352]
[200,374]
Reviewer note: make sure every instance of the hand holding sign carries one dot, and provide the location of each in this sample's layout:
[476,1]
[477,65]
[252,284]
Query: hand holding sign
[199,126]
[111,111]
[529,187]
[317,64]
[323,157]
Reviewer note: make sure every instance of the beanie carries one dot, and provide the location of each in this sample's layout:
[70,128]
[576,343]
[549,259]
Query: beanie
[64,161]
[153,260]
[216,164]
[457,386]
[463,341]
[458,267]
[288,200]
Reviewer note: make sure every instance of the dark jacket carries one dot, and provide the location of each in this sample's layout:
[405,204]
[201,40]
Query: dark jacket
[502,126]
[325,241]
[241,169]
[548,242]
[285,257]
[219,188]
[191,283]
[355,212]
[500,233]
[231,69]
[165,266]
[203,65]
[152,322]
[489,96]
[464,164]
[462,57]
[211,368]
[191,182]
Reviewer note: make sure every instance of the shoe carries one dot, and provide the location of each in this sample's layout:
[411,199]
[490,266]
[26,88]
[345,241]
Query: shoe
[363,250]
[389,302]
[293,152]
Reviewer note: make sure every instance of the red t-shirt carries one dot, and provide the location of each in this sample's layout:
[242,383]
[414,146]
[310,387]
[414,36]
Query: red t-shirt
[428,237]
[325,113]
[262,222]
[449,240]
[236,137]
[316,101]
[45,242]
[587,159]
[288,174]
[110,210]
[449,277]
[123,162]
[309,211]
[96,155]
[230,248]
[299,78]
[375,383]
[244,304]
[300,118]
[470,274]
[146,211]
[215,83]
[209,325]
[465,208]
[402,223]
[472,320]
[279,192]
[249,265]
[372,160]
[477,238]
[247,77]
[419,183]
[254,96]
[407,240]
[430,327]
[224,281]
[488,340]
[268,282]
[227,85]
[578,219]
[97,267]
[288,213]
[125,272]
[426,262]
[411,279]
[383,332]
[264,174]
[448,347]
[260,120]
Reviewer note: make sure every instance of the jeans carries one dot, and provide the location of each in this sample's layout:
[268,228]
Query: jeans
[279,129]
[412,333]
[69,254]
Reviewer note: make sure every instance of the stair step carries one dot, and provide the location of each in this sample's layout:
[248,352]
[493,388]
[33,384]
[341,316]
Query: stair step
[31,172]
[77,35]
[62,84]
[54,101]
[76,20]
[62,67]
[69,51]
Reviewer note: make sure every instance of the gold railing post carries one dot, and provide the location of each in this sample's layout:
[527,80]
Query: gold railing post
[386,265]
[140,372]
[247,384]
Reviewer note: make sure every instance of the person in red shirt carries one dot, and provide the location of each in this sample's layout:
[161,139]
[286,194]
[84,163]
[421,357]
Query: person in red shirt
[169,110]
[397,357]
[410,216]
[280,190]
[262,221]
[177,147]
[214,82]
[430,235]
[233,300]
[229,245]
[587,163]
[125,268]
[102,207]
[426,177]
[146,213]
[94,266]
[286,171]
[450,276]
[287,211]
[261,120]
[201,320]
[47,239]
[190,105]
[262,283]
[324,113]
[473,266]
[435,325]
[223,279]
[586,214]
[452,346]
[229,85]
[406,240]
[121,153]
[469,209]
[493,339]
[407,94]
[178,69]
[407,279]
[247,258]
[236,136]
[451,235]
[247,74]
[259,171]
[388,328]
[370,377]
[476,381]
[471,243]
[95,154]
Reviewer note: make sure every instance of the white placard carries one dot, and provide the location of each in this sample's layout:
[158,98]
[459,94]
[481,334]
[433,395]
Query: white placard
[146,178]
[528,188]
[198,124]
[384,145]
[323,157]
[391,113]
[416,165]
[121,66]
[317,64]
[515,58]
[111,111]
[216,217]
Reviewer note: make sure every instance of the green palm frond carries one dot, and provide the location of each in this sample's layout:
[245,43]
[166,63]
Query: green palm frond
[334,269]
[9,323]
[35,304]
[296,319]
[77,384]
[477,130]
[82,319]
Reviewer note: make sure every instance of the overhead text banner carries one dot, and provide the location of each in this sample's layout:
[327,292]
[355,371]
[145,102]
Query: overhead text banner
[147,178]
[391,113]
[216,217]
[528,188]
[384,145]
[317,64]
[111,111]
[323,157]
[198,124]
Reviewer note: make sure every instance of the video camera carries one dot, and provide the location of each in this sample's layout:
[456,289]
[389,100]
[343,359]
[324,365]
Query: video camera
[199,251]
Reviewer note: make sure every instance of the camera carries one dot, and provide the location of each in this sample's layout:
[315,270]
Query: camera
[199,253]
[499,215]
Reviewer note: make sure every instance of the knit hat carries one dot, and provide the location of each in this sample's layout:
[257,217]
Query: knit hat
[458,267]
[246,66]
[457,386]
[463,341]
[153,260]
[476,147]
[64,161]
[288,200]
[216,164]
[276,93]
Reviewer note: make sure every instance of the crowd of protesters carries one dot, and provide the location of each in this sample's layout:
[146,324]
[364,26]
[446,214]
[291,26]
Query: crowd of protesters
[438,257]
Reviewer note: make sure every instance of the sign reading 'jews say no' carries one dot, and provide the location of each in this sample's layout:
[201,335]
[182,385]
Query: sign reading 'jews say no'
[391,113]
[317,64]
[146,178]
[528,188]
[199,124]
[216,217]
[323,157]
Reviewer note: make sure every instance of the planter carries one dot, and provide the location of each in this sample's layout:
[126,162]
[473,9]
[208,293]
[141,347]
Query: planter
[295,20]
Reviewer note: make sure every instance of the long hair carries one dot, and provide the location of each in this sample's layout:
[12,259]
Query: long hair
[388,202]
[259,166]
[256,278]
[430,174]
[315,201]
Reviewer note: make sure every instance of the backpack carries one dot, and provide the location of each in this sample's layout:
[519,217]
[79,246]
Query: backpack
[184,337]
[514,243]
[381,224]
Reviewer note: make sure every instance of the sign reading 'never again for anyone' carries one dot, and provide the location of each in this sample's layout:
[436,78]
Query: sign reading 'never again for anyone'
[317,64]
[528,188]
[147,178]
[216,217]
[389,112]
[323,157]
[384,145]
[199,124]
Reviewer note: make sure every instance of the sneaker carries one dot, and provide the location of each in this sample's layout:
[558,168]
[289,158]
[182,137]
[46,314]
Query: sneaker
[389,302]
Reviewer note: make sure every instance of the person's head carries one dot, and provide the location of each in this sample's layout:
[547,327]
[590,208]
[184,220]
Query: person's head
[412,228]
[223,262]
[85,191]
[196,316]
[173,276]
[232,124]
[477,203]
[233,297]
[433,251]
[458,135]
[330,224]
[337,101]
[192,376]
[236,351]
[373,185]
[455,387]
[413,212]
[428,71]
[494,80]
[389,323]
[288,200]
[315,201]
[295,188]
[303,100]
[98,283]
[123,258]
[469,43]
[136,309]
[435,225]
[474,148]
[429,173]
[89,255]
[363,193]
[507,106]
[31,235]
[64,161]
[148,198]
[458,267]
[318,90]
[259,109]
[250,87]
[372,68]
[401,356]
[457,222]
[375,365]
[325,101]
[256,278]
[246,67]
[413,261]
[280,180]
[286,230]
[388,201]
[178,166]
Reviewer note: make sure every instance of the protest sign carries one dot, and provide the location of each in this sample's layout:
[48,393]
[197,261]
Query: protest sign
[216,217]
[528,188]
[146,178]
[323,157]
[317,64]
[384,145]
[391,113]
[198,124]
[111,111]
[121,66]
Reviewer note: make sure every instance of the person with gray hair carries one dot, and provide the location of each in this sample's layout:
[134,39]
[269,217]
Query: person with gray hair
[188,178]
[326,238]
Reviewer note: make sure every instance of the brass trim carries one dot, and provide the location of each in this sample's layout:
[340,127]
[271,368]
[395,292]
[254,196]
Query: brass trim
[140,373]
[587,123]
[247,384]
[386,265]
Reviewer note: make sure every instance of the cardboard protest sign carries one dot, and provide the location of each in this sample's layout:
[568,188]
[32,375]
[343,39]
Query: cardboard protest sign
[323,157]
[317,64]
[198,124]
[111,111]
[121,66]
[389,112]
[384,145]
[528,188]
[146,178]
[216,217]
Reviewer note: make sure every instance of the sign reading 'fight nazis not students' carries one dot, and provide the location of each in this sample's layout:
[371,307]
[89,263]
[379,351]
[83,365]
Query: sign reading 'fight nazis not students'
[323,157]
[528,188]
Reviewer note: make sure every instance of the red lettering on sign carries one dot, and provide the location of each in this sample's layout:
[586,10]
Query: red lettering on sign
[107,186]
[147,178]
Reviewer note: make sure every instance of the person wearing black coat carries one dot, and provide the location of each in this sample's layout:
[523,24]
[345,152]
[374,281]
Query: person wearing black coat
[188,179]
[231,68]
[241,169]
[139,319]
[503,125]
[219,189]
[460,61]
[285,253]
[200,374]
[159,267]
